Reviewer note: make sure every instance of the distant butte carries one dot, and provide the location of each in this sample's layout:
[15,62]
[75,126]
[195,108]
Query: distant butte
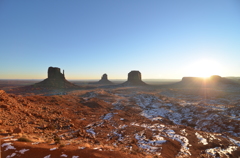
[104,80]
[134,79]
[56,79]
[214,80]
[55,73]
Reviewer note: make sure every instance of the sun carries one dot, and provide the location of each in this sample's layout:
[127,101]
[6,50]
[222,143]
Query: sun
[203,68]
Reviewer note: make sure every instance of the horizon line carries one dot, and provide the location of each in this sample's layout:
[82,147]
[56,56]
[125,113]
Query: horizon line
[121,78]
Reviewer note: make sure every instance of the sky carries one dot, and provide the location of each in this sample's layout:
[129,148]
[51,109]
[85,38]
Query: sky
[162,39]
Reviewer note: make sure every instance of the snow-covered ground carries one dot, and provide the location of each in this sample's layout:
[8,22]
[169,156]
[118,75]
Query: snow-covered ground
[210,115]
[219,114]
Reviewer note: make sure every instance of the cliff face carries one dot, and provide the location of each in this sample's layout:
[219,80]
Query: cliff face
[55,73]
[134,76]
[134,79]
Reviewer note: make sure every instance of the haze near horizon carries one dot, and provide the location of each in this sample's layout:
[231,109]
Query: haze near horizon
[161,39]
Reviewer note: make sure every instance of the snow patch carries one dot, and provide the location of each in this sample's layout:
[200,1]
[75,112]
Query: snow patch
[48,156]
[12,155]
[81,147]
[23,151]
[107,116]
[53,149]
[63,155]
[220,151]
[8,137]
[151,146]
[8,146]
[201,139]
[183,132]
[234,141]
[91,131]
[184,151]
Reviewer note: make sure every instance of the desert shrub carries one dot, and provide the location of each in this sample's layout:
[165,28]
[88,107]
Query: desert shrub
[23,139]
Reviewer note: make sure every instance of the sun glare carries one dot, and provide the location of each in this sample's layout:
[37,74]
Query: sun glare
[204,68]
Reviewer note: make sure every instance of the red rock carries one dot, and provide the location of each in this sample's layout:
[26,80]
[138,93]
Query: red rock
[4,106]
[17,130]
[10,130]
[134,79]
[55,79]
[104,80]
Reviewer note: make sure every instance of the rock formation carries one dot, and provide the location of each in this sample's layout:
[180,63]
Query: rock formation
[214,80]
[55,73]
[190,80]
[55,79]
[104,77]
[134,79]
[104,80]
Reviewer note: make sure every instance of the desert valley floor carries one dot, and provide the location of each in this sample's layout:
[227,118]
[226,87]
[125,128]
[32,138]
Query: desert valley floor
[119,121]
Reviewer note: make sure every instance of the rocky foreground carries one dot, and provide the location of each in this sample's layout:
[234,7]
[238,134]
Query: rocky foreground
[121,122]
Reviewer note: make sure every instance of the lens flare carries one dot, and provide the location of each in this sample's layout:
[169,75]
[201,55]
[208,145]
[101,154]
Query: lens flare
[204,68]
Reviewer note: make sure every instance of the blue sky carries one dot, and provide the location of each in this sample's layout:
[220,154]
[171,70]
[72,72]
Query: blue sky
[162,39]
